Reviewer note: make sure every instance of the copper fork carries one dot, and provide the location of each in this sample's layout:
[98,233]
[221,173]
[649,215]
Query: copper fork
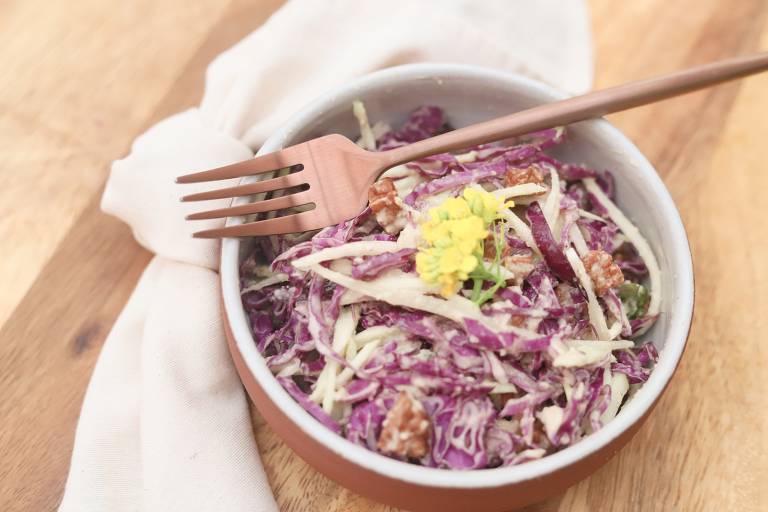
[335,173]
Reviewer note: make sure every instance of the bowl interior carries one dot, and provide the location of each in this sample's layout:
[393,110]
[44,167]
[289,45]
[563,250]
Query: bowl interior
[470,95]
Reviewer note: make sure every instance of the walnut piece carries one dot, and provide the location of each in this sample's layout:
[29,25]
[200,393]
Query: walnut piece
[385,204]
[604,272]
[517,320]
[489,249]
[519,176]
[405,430]
[520,264]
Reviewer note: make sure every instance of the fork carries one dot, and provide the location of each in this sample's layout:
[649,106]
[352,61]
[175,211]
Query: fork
[335,174]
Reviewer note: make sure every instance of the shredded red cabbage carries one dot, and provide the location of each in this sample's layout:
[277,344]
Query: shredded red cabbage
[551,251]
[497,388]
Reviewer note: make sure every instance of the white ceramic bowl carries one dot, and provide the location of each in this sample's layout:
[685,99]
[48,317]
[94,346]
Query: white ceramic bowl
[470,94]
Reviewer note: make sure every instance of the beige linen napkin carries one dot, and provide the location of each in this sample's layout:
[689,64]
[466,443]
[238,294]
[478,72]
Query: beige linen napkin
[165,423]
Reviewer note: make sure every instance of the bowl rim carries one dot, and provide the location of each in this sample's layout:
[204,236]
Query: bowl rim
[632,412]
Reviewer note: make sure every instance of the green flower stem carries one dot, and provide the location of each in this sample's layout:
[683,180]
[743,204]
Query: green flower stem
[477,288]
[488,294]
[481,274]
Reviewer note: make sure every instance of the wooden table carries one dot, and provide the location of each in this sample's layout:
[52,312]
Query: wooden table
[81,79]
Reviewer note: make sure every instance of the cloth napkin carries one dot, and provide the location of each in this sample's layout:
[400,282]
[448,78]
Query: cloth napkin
[165,423]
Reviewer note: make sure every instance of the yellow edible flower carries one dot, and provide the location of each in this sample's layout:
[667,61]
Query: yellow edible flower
[467,233]
[454,237]
[447,267]
[482,204]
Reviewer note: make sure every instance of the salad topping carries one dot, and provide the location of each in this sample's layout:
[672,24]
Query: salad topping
[483,311]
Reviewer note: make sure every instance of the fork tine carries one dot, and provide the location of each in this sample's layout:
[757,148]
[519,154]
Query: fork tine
[278,203]
[264,163]
[304,221]
[289,180]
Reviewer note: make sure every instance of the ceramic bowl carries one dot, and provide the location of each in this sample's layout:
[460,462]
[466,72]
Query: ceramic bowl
[471,94]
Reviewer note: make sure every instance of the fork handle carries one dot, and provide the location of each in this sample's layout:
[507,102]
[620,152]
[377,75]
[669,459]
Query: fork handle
[579,108]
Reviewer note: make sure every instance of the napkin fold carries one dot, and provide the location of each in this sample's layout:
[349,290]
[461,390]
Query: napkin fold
[165,423]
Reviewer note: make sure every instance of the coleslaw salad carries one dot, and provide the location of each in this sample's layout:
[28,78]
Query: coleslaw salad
[347,323]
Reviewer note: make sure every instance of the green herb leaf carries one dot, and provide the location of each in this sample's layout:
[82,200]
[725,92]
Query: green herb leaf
[635,298]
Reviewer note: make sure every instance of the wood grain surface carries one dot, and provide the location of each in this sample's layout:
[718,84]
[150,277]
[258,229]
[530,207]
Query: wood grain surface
[82,79]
